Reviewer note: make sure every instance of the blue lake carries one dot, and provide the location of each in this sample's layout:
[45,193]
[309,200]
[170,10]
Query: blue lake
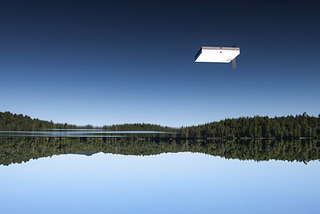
[76,133]
[170,182]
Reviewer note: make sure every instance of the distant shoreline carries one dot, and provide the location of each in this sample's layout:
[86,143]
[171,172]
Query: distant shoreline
[258,127]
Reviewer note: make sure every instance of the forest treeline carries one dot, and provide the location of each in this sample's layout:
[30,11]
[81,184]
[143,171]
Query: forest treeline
[18,150]
[259,127]
[19,122]
[286,127]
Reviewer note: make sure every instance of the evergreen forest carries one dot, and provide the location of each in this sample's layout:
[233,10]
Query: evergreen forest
[257,127]
[18,150]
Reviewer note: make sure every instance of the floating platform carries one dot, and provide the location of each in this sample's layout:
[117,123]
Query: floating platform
[217,54]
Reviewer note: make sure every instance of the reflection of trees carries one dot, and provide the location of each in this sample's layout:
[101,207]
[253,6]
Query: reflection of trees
[24,149]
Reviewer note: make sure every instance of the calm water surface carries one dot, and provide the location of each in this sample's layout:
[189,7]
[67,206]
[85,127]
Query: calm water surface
[76,133]
[183,182]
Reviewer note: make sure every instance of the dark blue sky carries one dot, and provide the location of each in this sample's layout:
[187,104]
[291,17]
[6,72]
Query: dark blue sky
[114,62]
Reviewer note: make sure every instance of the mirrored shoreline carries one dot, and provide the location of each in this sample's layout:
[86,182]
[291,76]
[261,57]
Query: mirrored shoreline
[22,149]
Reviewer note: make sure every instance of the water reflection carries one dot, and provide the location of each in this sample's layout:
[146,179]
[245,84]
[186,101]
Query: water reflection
[157,175]
[17,150]
[77,133]
[168,183]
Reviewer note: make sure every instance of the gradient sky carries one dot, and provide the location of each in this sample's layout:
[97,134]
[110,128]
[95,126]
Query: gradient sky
[114,62]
